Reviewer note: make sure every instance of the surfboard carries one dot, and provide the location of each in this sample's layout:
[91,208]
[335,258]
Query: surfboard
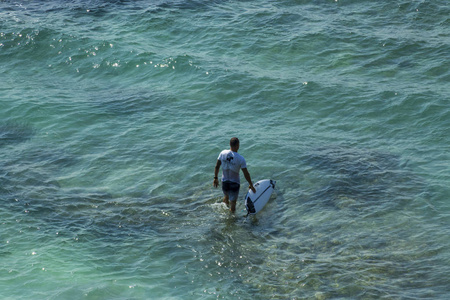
[254,202]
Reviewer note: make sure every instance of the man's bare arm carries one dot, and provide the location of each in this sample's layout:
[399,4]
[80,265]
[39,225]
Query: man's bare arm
[249,179]
[216,173]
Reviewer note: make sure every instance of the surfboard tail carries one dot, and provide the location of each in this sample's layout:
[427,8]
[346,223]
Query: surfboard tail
[249,205]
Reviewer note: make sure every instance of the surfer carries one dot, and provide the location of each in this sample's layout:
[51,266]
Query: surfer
[231,163]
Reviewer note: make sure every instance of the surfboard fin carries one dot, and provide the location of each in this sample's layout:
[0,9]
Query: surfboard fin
[272,182]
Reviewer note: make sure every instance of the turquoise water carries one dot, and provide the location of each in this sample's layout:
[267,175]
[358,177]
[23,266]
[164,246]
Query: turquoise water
[112,114]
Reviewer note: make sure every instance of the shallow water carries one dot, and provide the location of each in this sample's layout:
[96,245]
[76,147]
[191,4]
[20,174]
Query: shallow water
[112,114]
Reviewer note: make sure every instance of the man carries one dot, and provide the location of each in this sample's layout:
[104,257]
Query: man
[231,163]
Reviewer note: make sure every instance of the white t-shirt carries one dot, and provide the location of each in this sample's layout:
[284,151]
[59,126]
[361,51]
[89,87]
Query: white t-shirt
[232,163]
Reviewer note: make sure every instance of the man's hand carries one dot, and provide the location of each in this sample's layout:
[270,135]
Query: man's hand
[252,188]
[216,182]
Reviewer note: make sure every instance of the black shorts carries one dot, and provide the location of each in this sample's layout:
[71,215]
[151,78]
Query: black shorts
[231,189]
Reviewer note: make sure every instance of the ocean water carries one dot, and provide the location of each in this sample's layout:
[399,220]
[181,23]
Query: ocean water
[113,113]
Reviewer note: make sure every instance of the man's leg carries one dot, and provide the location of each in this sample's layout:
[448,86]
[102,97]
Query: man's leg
[233,196]
[233,206]
[226,200]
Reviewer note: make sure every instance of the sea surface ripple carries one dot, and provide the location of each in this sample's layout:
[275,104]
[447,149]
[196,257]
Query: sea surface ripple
[113,113]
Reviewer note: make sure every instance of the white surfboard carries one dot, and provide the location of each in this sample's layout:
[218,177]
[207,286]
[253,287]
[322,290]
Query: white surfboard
[254,202]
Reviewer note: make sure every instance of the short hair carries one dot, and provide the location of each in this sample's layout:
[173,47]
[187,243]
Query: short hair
[234,142]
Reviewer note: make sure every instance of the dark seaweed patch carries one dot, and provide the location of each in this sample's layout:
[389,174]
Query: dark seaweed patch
[13,133]
[356,178]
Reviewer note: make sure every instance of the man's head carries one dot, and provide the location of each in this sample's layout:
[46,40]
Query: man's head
[234,144]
